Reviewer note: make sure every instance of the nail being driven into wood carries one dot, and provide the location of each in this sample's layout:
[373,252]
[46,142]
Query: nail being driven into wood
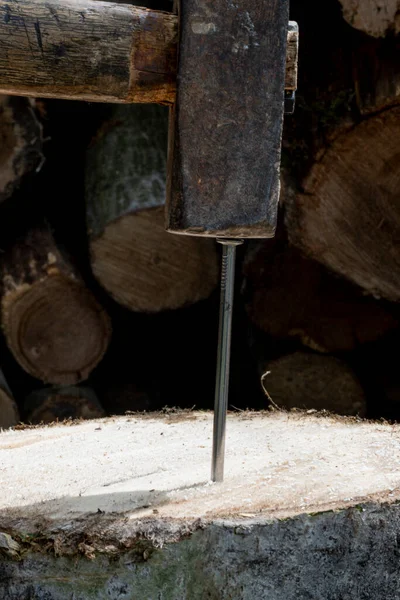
[223,355]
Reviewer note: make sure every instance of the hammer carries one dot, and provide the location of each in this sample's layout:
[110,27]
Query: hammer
[228,73]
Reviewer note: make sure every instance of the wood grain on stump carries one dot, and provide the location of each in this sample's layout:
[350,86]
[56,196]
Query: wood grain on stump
[53,325]
[289,296]
[309,509]
[348,214]
[20,143]
[141,265]
[311,381]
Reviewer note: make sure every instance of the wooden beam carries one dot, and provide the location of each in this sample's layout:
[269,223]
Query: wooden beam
[87,50]
[92,50]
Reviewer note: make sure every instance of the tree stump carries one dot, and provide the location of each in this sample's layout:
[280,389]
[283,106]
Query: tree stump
[53,325]
[309,509]
[142,266]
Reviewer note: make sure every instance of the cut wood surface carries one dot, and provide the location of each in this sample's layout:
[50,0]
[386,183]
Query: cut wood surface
[53,325]
[141,265]
[20,143]
[291,297]
[59,403]
[307,502]
[276,465]
[348,214]
[375,17]
[311,381]
[92,50]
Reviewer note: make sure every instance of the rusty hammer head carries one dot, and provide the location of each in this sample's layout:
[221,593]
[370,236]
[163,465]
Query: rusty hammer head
[226,124]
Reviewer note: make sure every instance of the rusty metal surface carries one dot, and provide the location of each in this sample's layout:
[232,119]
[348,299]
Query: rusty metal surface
[226,126]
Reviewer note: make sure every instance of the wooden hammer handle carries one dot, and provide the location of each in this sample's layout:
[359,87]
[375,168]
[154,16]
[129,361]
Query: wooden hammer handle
[93,51]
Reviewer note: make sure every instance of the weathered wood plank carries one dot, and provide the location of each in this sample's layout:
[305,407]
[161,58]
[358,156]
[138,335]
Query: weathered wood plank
[87,50]
[93,50]
[226,125]
[292,54]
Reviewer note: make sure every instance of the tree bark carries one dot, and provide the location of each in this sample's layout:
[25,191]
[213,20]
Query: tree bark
[60,403]
[141,265]
[54,327]
[375,17]
[347,215]
[311,381]
[20,143]
[291,297]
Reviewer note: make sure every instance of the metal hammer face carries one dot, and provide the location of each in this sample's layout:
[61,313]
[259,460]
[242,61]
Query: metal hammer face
[226,124]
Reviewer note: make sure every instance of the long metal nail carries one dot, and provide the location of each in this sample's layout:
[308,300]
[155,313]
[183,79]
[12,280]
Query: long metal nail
[223,355]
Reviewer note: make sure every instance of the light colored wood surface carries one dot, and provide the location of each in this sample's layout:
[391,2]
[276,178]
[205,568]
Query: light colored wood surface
[276,465]
[147,269]
[348,217]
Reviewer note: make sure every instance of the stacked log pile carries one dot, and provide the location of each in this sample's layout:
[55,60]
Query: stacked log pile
[316,322]
[142,266]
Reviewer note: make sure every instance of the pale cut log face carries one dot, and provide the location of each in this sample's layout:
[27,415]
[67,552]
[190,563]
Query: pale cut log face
[55,329]
[277,465]
[147,269]
[349,216]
